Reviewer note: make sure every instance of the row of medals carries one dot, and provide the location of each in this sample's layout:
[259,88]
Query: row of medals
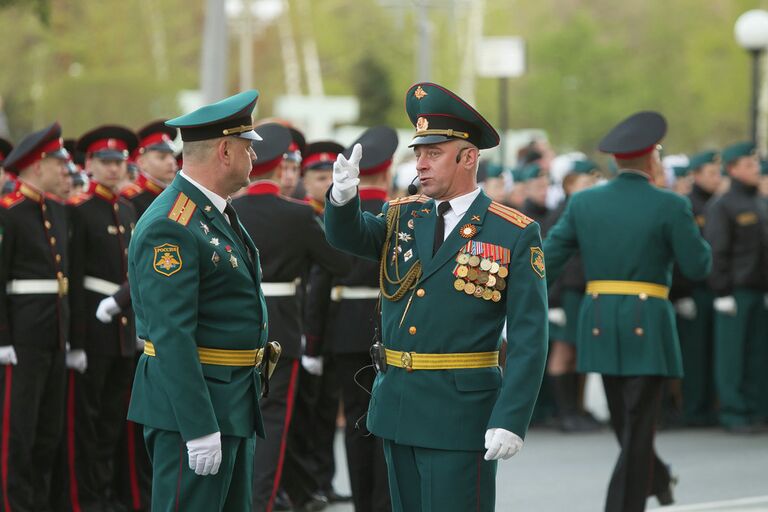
[482,278]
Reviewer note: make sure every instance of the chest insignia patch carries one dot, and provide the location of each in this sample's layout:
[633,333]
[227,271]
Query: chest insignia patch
[408,255]
[404,237]
[167,259]
[468,231]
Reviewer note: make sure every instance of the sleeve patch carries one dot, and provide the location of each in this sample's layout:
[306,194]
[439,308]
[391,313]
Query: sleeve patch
[167,259]
[537,261]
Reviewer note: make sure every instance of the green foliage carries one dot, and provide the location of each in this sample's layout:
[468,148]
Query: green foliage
[373,87]
[42,8]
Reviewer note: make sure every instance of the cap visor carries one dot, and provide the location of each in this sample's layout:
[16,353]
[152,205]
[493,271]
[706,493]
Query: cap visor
[429,139]
[61,154]
[250,135]
[109,155]
[163,148]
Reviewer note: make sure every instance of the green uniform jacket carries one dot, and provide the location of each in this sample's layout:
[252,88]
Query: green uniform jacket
[451,409]
[628,230]
[193,285]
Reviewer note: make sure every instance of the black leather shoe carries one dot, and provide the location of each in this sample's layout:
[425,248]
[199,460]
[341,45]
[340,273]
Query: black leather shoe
[665,496]
[313,504]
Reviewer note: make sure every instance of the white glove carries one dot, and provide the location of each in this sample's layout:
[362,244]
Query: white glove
[76,360]
[726,305]
[557,316]
[345,176]
[8,355]
[313,365]
[107,309]
[686,308]
[501,444]
[205,454]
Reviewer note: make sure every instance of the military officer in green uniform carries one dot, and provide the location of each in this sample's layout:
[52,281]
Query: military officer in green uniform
[454,266]
[630,233]
[196,290]
[737,228]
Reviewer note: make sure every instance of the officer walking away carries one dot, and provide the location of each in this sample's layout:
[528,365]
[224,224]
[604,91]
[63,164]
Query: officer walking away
[195,288]
[737,229]
[454,267]
[34,320]
[630,233]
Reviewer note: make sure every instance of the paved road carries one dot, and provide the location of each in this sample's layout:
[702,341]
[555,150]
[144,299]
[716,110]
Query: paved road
[569,473]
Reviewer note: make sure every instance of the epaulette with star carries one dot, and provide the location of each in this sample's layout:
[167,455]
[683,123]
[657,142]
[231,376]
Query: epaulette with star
[182,209]
[510,215]
[79,199]
[12,199]
[418,198]
[131,190]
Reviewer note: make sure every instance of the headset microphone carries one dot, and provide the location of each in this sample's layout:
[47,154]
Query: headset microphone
[412,188]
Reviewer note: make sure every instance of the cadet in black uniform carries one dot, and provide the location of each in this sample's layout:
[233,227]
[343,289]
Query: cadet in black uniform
[737,229]
[34,321]
[101,225]
[349,334]
[289,239]
[7,182]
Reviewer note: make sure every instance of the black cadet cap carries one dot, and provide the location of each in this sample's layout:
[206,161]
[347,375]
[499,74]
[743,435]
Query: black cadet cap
[276,139]
[5,149]
[108,142]
[379,144]
[298,145]
[45,143]
[635,136]
[320,155]
[157,136]
[440,115]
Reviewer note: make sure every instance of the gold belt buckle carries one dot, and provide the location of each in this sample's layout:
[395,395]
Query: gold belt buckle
[407,361]
[63,286]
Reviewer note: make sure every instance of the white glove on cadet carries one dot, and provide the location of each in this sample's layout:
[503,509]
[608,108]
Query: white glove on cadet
[346,176]
[726,305]
[205,454]
[107,309]
[501,444]
[313,365]
[76,360]
[8,355]
[557,316]
[686,308]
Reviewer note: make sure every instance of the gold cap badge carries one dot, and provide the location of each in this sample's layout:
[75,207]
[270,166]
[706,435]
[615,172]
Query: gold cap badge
[422,124]
[419,93]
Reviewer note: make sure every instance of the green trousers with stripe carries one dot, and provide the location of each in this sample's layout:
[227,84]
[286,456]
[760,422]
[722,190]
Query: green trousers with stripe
[428,480]
[175,487]
[741,356]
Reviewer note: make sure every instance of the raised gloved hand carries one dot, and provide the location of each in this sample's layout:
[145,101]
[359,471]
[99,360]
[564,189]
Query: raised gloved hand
[205,454]
[686,308]
[313,365]
[726,305]
[557,316]
[8,355]
[501,444]
[346,176]
[76,360]
[107,309]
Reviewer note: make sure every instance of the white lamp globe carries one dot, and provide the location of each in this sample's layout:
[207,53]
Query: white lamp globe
[751,30]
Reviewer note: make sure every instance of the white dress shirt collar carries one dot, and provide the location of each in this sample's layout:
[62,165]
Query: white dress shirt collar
[218,202]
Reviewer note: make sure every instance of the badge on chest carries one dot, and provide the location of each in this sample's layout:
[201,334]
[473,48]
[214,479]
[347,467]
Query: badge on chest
[481,270]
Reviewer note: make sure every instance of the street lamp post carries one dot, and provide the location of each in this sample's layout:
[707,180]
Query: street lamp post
[751,32]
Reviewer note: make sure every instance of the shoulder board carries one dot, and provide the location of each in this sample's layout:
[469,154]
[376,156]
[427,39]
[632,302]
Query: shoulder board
[55,198]
[12,199]
[79,199]
[510,214]
[418,198]
[130,191]
[182,209]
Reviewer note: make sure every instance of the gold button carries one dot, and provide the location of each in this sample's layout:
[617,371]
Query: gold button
[121,229]
[47,224]
[420,292]
[58,258]
[643,296]
[412,330]
[53,240]
[124,320]
[639,331]
[595,331]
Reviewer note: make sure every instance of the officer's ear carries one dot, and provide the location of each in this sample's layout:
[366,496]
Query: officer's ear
[224,150]
[470,156]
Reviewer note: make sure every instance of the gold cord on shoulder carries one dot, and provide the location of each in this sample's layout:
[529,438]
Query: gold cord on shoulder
[406,282]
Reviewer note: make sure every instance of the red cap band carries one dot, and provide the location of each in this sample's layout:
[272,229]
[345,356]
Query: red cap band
[260,168]
[634,154]
[153,139]
[376,169]
[108,144]
[49,147]
[317,157]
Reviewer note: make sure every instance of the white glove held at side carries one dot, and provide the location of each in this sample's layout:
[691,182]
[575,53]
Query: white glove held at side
[557,316]
[501,444]
[313,365]
[76,360]
[205,454]
[107,309]
[726,305]
[686,308]
[8,355]
[346,176]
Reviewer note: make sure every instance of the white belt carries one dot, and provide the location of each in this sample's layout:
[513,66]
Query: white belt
[101,286]
[353,292]
[32,286]
[280,289]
